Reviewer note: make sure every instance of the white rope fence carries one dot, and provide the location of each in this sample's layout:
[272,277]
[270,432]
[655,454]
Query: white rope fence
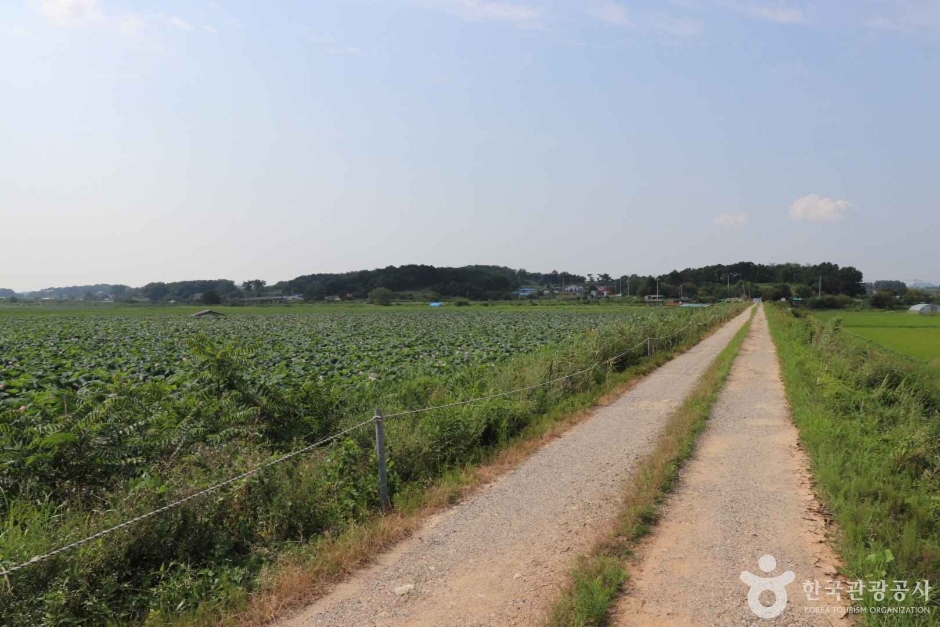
[327,440]
[176,504]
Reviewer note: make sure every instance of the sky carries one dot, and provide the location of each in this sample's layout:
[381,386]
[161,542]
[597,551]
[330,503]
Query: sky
[240,139]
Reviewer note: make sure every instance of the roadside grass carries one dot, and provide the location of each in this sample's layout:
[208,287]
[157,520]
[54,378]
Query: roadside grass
[870,421]
[597,578]
[307,570]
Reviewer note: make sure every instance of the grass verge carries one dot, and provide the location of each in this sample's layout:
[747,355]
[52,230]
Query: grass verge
[597,577]
[870,421]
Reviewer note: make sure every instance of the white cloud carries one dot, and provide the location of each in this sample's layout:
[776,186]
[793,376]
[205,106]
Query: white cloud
[482,11]
[778,12]
[77,12]
[731,219]
[815,208]
[177,22]
[68,11]
[610,12]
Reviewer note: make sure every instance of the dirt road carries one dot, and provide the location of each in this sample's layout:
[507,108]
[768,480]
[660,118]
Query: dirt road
[500,557]
[745,494]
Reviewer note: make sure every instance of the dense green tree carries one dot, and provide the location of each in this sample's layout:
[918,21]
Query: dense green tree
[211,297]
[883,300]
[381,296]
[254,285]
[915,297]
[898,288]
[155,291]
[803,291]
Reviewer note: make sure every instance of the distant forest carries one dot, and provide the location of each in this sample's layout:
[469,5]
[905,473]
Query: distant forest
[494,283]
[474,282]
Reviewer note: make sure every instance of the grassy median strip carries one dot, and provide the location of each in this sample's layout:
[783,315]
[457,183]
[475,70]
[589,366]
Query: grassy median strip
[597,578]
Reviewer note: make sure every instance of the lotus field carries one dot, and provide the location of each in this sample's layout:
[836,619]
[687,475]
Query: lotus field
[43,354]
[104,417]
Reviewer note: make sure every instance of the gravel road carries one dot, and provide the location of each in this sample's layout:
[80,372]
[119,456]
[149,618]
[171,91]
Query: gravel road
[500,557]
[745,494]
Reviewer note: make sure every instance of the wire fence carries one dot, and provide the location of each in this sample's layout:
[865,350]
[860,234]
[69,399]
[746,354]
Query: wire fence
[377,419]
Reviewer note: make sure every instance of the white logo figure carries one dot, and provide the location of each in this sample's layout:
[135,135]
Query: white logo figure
[777,585]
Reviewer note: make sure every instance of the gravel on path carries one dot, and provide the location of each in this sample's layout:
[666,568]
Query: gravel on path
[746,493]
[501,556]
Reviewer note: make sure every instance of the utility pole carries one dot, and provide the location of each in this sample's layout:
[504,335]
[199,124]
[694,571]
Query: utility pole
[729,285]
[819,294]
[628,286]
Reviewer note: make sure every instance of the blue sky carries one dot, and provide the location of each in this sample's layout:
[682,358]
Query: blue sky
[200,139]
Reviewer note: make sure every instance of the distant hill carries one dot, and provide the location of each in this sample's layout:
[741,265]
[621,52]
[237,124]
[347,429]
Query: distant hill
[478,282]
[6,293]
[490,282]
[920,285]
[471,281]
[79,291]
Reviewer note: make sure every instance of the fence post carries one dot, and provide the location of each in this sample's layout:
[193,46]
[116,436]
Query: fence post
[649,348]
[380,452]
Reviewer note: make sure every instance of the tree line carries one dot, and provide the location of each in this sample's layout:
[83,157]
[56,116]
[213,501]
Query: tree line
[473,282]
[486,282]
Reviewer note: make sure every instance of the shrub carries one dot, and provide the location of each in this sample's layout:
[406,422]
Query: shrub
[830,302]
[211,297]
[460,302]
[882,300]
[381,296]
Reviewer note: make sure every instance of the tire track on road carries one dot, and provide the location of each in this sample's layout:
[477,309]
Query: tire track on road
[746,493]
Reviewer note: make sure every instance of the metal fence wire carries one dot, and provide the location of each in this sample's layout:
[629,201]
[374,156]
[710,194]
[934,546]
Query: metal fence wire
[378,419]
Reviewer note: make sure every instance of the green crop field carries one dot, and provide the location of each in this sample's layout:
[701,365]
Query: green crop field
[110,413]
[909,334]
[47,353]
